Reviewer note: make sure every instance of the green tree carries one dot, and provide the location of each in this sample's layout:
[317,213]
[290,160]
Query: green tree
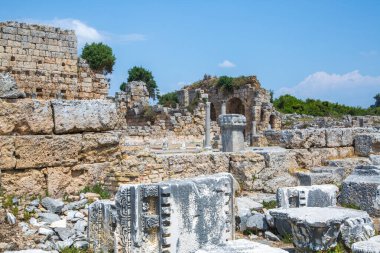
[99,56]
[226,83]
[141,74]
[377,102]
[122,86]
[168,100]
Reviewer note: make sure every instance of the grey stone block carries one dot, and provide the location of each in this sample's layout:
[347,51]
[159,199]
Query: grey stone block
[307,196]
[367,144]
[53,205]
[318,228]
[370,246]
[232,127]
[257,221]
[8,87]
[240,246]
[362,189]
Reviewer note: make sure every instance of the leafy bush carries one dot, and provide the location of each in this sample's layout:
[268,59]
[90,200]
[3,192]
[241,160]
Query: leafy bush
[150,114]
[377,100]
[141,74]
[99,189]
[225,83]
[123,85]
[269,204]
[99,56]
[291,104]
[169,99]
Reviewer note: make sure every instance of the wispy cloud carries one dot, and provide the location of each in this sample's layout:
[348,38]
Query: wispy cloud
[87,34]
[369,53]
[351,88]
[226,64]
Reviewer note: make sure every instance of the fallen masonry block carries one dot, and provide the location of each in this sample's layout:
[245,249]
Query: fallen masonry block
[168,217]
[321,175]
[241,246]
[362,189]
[102,226]
[307,196]
[318,228]
[367,144]
[349,164]
[370,246]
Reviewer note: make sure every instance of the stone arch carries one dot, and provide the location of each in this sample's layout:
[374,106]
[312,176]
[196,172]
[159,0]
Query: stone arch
[212,112]
[235,106]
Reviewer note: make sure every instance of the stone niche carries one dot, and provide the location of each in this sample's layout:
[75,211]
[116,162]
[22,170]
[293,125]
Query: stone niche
[169,217]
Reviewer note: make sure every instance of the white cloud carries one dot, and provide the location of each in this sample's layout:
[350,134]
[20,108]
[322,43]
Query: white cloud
[84,32]
[226,64]
[351,88]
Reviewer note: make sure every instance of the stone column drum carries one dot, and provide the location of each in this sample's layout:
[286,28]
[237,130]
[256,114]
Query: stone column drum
[208,126]
[232,128]
[224,107]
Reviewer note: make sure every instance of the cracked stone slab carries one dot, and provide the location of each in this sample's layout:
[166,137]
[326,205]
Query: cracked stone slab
[240,246]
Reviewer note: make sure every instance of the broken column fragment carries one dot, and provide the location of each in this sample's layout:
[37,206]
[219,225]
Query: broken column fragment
[172,216]
[318,228]
[370,246]
[307,196]
[232,128]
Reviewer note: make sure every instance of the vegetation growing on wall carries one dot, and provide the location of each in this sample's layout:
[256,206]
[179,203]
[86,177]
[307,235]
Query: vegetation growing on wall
[169,99]
[221,81]
[291,104]
[142,74]
[100,57]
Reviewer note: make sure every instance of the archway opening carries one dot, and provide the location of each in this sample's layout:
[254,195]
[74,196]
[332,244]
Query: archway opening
[272,121]
[235,106]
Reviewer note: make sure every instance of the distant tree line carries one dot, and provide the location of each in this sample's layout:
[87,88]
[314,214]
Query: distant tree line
[315,107]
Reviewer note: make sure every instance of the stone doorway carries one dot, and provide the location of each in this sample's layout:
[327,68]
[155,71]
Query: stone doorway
[235,106]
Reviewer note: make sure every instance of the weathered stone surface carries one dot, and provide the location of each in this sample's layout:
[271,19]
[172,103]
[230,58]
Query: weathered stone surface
[362,189]
[257,222]
[240,246]
[209,198]
[375,159]
[318,228]
[8,87]
[7,149]
[100,147]
[321,175]
[367,144]
[307,196]
[78,116]
[21,183]
[339,137]
[102,226]
[48,217]
[26,117]
[349,164]
[232,127]
[53,205]
[71,180]
[298,138]
[47,151]
[369,246]
[245,206]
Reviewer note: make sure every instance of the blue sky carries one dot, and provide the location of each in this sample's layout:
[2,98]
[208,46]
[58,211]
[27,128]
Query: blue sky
[322,49]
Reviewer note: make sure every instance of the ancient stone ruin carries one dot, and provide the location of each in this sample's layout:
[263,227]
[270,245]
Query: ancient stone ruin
[220,172]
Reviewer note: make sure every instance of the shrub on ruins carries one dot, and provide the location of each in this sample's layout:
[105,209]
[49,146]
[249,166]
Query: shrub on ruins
[144,75]
[169,99]
[377,100]
[99,189]
[149,114]
[123,85]
[225,83]
[99,56]
[315,107]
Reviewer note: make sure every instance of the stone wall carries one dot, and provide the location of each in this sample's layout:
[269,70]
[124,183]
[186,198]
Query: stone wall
[44,62]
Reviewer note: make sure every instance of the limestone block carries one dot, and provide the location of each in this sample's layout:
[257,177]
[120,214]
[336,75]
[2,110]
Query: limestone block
[318,228]
[9,88]
[304,138]
[349,164]
[102,226]
[46,150]
[375,159]
[367,144]
[177,215]
[307,196]
[26,117]
[362,189]
[371,245]
[245,206]
[83,116]
[339,137]
[240,246]
[71,180]
[7,149]
[322,175]
[100,147]
[23,182]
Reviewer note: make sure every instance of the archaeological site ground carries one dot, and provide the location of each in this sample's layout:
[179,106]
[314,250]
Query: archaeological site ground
[219,169]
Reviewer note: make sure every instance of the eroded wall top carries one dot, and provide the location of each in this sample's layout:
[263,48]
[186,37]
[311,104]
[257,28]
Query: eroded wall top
[44,62]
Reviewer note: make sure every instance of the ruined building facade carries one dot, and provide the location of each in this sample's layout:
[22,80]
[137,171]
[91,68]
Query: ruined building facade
[44,62]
